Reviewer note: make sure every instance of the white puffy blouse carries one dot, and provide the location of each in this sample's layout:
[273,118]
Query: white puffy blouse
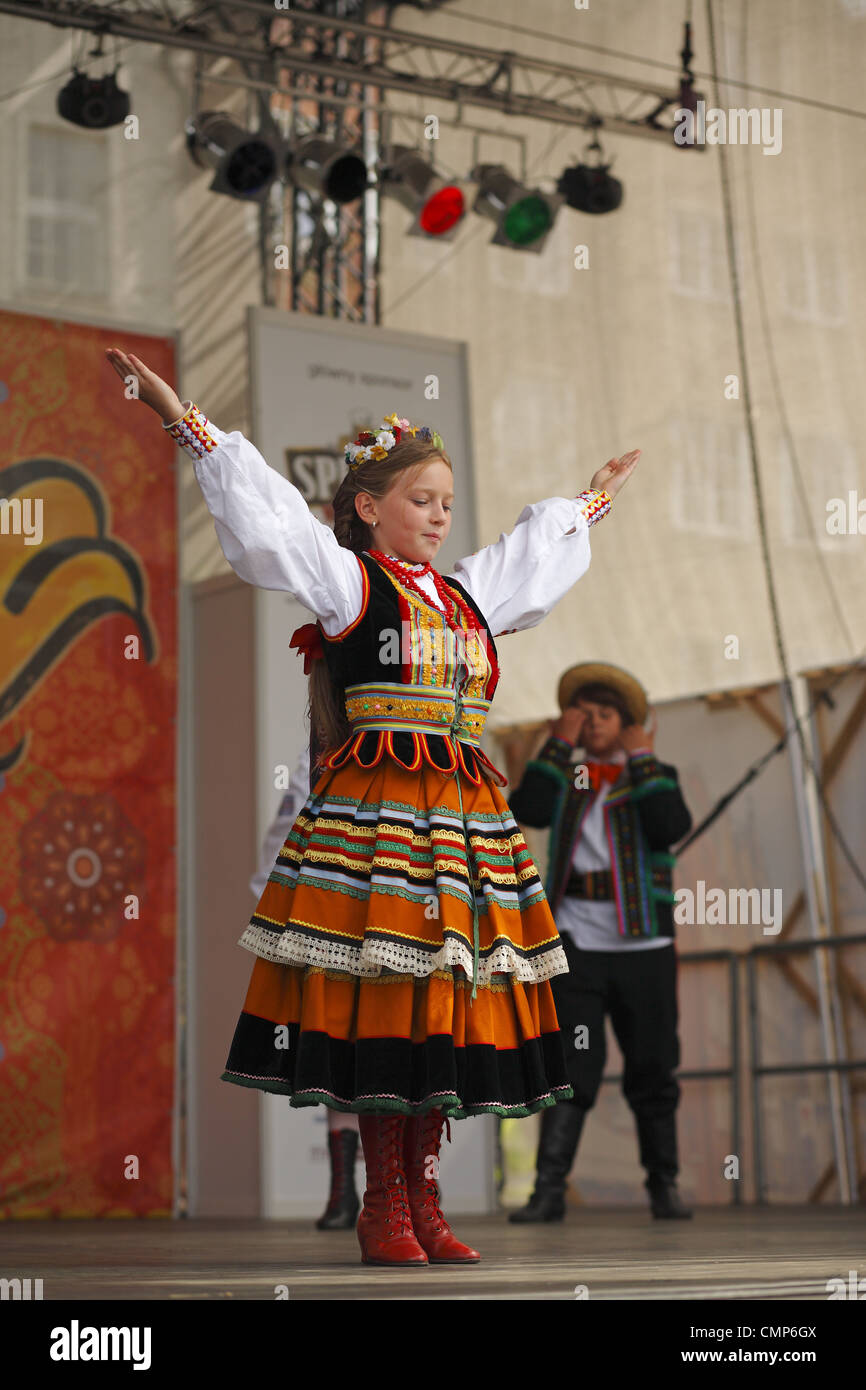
[271,539]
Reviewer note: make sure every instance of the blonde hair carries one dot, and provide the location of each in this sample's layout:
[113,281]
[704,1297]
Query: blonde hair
[328,720]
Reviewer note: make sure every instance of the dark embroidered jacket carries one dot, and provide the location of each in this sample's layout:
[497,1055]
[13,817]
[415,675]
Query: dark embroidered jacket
[644,814]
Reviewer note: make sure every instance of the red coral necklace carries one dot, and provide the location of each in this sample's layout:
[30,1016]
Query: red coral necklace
[454,605]
[408,577]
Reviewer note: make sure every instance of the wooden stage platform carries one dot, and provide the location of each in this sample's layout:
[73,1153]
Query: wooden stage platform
[616,1253]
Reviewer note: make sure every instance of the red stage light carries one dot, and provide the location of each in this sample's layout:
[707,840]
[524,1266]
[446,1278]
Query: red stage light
[440,213]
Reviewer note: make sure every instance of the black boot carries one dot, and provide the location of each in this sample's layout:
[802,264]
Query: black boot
[657,1137]
[560,1131]
[666,1202]
[341,1212]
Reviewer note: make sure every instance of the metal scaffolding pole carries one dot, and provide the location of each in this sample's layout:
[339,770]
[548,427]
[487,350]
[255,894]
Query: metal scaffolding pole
[796,704]
[335,249]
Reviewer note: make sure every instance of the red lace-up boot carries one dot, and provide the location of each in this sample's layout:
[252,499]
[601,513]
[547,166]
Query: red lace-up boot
[385,1225]
[421,1148]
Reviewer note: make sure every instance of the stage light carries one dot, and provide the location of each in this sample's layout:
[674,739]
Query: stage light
[93,102]
[245,163]
[437,205]
[590,188]
[326,169]
[524,216]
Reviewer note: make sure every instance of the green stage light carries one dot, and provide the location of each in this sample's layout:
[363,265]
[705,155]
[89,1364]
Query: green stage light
[527,220]
[524,216]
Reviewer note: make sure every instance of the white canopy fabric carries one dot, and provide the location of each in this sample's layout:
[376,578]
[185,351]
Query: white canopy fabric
[639,349]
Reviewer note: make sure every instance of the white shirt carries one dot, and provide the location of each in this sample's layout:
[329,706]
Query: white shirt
[594,925]
[425,581]
[270,538]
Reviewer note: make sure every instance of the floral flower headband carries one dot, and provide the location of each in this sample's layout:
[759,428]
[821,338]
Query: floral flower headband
[377,446]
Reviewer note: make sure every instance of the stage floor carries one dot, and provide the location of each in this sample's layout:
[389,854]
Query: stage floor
[616,1253]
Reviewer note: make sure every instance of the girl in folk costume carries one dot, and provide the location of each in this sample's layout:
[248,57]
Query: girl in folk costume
[403,942]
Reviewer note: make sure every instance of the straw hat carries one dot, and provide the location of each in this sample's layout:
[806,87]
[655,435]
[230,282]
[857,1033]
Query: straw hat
[598,672]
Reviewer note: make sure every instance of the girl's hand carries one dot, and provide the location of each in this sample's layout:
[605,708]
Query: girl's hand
[616,473]
[151,388]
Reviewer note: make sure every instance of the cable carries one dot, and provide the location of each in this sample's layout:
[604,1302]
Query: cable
[770,357]
[562,42]
[753,452]
[755,768]
[55,77]
[434,270]
[730,244]
[32,86]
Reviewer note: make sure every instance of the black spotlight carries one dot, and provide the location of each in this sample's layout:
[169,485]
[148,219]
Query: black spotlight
[326,168]
[93,102]
[590,187]
[245,163]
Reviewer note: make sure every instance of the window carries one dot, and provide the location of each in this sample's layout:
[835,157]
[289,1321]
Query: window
[812,281]
[828,469]
[711,478]
[537,413]
[66,211]
[698,259]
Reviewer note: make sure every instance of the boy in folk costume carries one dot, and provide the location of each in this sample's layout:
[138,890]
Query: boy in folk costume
[403,941]
[613,816]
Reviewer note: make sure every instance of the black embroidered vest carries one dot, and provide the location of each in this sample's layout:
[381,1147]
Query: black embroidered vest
[401,666]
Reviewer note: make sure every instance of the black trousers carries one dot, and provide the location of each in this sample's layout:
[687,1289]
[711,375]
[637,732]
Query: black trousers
[638,989]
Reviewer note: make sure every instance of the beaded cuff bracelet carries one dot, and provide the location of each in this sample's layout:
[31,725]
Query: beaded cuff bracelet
[597,504]
[192,432]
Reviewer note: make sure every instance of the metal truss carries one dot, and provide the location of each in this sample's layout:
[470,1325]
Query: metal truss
[323,65]
[259,33]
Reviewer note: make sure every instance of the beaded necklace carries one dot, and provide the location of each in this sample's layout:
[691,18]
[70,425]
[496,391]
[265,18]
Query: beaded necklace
[407,577]
[458,615]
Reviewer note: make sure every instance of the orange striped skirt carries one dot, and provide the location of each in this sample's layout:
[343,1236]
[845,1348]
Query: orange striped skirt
[391,895]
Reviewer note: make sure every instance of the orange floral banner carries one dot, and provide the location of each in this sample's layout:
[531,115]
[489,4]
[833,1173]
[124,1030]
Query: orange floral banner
[88,705]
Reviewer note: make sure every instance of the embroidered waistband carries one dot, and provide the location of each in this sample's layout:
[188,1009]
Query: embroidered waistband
[595,884]
[416,708]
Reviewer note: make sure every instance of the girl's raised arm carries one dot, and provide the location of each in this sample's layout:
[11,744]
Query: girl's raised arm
[265,528]
[518,579]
